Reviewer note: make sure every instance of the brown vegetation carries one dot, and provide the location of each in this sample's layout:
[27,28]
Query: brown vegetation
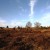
[24,39]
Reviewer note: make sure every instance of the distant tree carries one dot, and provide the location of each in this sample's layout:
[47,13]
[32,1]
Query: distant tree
[1,27]
[37,25]
[43,27]
[28,24]
[7,27]
[18,27]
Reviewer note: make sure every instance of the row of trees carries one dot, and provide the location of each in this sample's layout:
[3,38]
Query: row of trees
[29,24]
[36,24]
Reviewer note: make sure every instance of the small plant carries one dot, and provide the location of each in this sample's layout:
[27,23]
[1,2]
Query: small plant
[2,43]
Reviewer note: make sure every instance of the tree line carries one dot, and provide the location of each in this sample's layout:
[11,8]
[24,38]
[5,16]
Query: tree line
[29,25]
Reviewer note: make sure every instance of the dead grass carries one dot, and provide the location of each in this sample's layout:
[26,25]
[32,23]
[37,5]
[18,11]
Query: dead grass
[24,39]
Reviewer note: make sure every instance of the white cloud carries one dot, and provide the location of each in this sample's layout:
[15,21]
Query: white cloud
[45,19]
[22,9]
[32,4]
[2,23]
[14,23]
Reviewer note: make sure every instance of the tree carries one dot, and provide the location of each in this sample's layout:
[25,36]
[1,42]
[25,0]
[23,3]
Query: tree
[19,27]
[28,24]
[37,25]
[7,27]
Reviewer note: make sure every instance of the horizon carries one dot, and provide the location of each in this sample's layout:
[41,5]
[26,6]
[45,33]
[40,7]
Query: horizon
[19,12]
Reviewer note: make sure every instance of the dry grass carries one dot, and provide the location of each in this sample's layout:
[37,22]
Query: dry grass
[24,39]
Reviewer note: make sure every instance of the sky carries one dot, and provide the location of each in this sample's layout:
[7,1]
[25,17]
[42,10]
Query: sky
[19,12]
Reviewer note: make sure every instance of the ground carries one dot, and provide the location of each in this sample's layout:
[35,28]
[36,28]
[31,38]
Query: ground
[24,39]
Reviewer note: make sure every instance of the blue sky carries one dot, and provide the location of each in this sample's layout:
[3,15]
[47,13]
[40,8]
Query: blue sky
[19,12]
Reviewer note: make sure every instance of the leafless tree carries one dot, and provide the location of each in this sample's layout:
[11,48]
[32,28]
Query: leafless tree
[7,26]
[28,24]
[37,25]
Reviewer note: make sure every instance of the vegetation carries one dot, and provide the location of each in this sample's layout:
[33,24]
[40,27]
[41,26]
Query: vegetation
[37,25]
[25,38]
[29,24]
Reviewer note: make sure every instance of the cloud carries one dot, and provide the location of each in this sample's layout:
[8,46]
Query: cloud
[2,23]
[32,4]
[45,19]
[14,23]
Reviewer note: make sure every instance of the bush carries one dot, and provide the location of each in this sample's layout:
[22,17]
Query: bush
[2,43]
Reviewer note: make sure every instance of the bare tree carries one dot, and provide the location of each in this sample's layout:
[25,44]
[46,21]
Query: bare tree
[37,25]
[7,26]
[28,24]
